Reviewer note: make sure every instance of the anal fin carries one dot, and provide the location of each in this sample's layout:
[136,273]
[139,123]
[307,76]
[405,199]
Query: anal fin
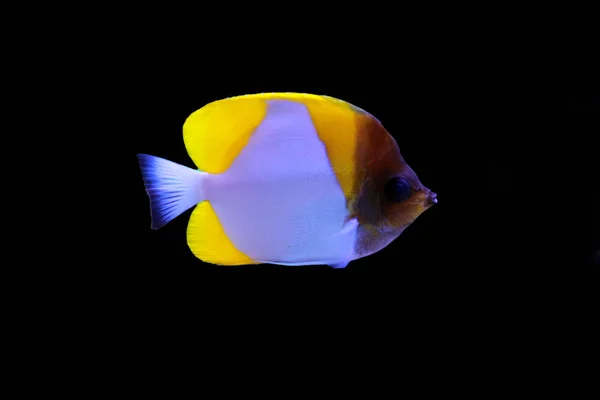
[209,242]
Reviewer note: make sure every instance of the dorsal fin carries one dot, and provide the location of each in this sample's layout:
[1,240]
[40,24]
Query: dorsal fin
[215,134]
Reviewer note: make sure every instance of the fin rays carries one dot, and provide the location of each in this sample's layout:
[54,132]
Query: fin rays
[172,188]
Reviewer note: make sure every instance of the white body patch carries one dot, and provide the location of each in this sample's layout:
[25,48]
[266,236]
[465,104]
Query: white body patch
[280,201]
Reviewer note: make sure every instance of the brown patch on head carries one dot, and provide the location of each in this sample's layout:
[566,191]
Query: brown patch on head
[379,160]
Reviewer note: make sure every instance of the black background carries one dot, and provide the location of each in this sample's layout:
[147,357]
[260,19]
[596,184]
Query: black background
[462,294]
[584,125]
[451,290]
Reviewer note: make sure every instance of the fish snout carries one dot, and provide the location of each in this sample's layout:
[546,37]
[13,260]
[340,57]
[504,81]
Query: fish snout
[431,199]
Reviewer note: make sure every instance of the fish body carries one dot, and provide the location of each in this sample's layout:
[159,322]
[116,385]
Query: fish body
[286,178]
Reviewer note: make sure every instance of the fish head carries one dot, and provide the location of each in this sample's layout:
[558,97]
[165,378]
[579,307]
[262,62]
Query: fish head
[389,195]
[404,198]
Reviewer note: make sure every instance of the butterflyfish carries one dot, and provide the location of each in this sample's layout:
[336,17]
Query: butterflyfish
[287,179]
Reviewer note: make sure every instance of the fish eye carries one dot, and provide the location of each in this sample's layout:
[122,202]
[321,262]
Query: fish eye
[397,190]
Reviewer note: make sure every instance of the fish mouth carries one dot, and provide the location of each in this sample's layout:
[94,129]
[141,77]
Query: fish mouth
[431,200]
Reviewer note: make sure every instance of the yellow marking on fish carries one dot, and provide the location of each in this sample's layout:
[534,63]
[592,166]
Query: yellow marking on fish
[209,242]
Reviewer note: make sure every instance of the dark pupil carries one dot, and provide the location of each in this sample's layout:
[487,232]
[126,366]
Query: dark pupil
[397,190]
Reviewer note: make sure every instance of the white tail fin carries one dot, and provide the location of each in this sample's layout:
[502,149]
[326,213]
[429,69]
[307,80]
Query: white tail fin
[172,188]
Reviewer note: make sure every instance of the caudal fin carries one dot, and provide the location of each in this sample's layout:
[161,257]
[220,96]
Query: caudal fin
[172,188]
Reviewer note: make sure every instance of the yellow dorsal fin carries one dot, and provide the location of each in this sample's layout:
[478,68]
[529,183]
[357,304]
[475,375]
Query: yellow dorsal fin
[215,134]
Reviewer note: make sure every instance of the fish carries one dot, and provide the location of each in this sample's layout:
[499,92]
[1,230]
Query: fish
[289,179]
